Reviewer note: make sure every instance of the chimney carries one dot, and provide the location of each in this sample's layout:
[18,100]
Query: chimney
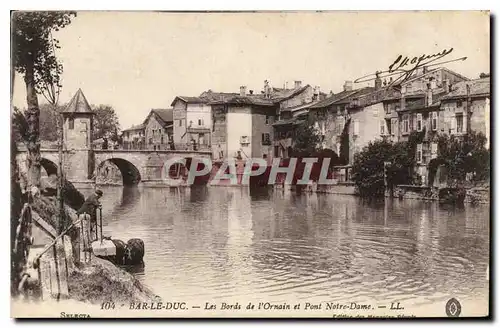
[446,85]
[378,83]
[428,96]
[243,91]
[298,84]
[424,69]
[348,86]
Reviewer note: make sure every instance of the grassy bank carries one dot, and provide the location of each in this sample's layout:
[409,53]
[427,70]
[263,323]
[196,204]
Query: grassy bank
[99,280]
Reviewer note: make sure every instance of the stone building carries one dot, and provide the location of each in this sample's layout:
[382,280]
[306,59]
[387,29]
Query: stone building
[442,108]
[243,122]
[192,119]
[134,137]
[158,129]
[77,133]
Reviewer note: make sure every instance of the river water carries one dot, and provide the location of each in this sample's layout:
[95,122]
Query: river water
[227,244]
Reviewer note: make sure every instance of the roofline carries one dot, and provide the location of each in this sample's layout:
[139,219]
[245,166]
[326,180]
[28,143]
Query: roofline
[436,69]
[187,101]
[294,93]
[477,95]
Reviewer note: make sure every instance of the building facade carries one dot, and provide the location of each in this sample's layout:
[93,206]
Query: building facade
[192,122]
[134,137]
[158,129]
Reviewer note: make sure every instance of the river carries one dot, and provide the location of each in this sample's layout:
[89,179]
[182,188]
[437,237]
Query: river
[227,244]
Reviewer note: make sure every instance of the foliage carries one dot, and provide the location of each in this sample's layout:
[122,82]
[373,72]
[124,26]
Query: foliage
[463,156]
[307,138]
[33,54]
[106,122]
[48,119]
[33,45]
[368,169]
[344,143]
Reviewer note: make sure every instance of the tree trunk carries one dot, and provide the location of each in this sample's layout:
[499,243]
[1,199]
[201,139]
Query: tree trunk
[33,119]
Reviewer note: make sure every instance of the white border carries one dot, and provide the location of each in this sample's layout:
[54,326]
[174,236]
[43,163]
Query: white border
[193,5]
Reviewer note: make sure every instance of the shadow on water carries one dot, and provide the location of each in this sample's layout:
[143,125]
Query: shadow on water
[260,193]
[198,194]
[129,199]
[136,270]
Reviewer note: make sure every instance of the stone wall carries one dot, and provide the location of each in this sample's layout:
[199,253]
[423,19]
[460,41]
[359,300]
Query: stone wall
[479,195]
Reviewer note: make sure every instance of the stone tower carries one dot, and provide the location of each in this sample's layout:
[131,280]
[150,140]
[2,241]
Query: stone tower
[78,120]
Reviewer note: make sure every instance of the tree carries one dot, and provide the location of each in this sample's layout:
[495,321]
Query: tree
[368,171]
[33,55]
[464,156]
[106,122]
[48,117]
[307,138]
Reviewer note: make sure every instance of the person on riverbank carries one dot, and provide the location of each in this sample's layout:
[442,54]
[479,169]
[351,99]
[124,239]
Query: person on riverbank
[90,207]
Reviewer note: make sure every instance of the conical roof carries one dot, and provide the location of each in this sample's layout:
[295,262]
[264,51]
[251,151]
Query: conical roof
[78,104]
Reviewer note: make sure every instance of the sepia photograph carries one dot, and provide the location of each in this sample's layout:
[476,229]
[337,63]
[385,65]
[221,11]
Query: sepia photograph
[250,164]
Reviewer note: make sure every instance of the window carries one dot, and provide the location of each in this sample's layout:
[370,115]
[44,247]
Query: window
[266,139]
[459,103]
[382,127]
[180,122]
[394,126]
[150,141]
[71,123]
[356,128]
[267,119]
[419,122]
[406,123]
[434,150]
[419,153]
[340,124]
[244,140]
[200,122]
[434,121]
[276,151]
[460,122]
[161,140]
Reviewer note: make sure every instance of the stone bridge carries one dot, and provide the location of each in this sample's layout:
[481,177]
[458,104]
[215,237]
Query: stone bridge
[136,166]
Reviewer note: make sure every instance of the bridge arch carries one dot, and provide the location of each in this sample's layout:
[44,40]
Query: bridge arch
[49,166]
[130,173]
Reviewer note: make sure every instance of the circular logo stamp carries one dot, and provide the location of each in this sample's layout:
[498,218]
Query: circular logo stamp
[453,308]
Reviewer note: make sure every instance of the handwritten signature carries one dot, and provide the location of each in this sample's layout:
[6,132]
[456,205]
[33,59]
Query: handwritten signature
[403,69]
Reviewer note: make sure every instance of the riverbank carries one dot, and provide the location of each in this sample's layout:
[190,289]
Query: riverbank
[98,280]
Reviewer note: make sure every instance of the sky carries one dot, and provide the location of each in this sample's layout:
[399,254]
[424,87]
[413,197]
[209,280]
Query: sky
[135,61]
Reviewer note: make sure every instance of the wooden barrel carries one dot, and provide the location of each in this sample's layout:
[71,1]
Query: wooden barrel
[134,252]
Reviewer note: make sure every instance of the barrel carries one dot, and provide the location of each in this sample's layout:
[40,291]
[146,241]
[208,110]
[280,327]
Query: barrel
[134,252]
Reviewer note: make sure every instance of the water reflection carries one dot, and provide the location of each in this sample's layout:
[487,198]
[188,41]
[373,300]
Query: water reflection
[231,243]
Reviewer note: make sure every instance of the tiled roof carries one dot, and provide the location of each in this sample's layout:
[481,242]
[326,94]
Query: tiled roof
[135,127]
[418,76]
[211,96]
[479,87]
[166,114]
[78,104]
[257,100]
[333,98]
[284,94]
[359,93]
[292,121]
[189,100]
